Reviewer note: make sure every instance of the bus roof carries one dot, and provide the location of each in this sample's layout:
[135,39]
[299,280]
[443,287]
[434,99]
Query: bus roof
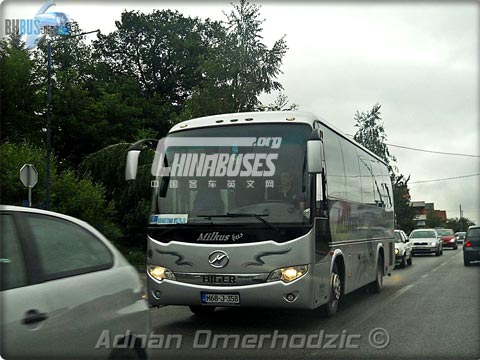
[289,117]
[248,117]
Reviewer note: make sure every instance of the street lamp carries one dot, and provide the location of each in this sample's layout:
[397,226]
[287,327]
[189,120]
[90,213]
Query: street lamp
[49,111]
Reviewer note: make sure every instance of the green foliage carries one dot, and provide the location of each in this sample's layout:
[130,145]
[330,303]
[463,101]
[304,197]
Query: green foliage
[131,199]
[239,67]
[433,220]
[371,134]
[279,104]
[161,50]
[71,195]
[459,224]
[19,96]
[89,111]
[12,158]
[404,213]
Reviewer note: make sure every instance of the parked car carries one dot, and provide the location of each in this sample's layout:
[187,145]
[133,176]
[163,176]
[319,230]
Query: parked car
[63,287]
[471,245]
[403,249]
[460,236]
[426,241]
[448,238]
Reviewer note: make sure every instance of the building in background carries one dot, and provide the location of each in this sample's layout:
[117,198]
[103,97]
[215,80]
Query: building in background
[420,217]
[422,209]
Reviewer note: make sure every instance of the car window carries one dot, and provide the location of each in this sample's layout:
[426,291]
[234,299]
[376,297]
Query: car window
[422,234]
[12,264]
[66,248]
[445,232]
[398,237]
[473,232]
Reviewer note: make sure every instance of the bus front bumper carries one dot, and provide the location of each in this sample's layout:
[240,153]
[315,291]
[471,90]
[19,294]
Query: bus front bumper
[295,295]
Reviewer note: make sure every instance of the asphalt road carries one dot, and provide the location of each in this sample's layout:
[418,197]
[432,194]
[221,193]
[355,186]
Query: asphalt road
[428,310]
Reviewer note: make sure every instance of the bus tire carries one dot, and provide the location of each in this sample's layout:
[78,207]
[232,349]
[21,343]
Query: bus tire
[331,307]
[376,286]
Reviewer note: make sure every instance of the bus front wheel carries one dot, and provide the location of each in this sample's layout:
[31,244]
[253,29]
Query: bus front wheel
[331,307]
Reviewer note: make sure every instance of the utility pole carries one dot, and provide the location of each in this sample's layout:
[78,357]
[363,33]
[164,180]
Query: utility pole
[461,217]
[49,123]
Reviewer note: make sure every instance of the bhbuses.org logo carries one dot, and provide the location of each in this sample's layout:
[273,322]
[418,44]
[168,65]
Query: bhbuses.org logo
[44,22]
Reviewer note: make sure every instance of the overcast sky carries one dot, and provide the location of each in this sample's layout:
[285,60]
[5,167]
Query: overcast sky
[419,61]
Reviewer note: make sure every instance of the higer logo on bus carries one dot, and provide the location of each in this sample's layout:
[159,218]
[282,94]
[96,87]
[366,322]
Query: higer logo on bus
[218,259]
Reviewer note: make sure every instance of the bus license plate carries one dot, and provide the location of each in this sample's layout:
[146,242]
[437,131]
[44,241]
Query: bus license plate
[233,299]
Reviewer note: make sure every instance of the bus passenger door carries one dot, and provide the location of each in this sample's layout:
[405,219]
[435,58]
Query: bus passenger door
[321,241]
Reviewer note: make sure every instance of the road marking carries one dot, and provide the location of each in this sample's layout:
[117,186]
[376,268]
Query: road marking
[443,264]
[400,292]
[392,297]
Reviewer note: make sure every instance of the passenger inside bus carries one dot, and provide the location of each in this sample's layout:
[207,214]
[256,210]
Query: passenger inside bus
[208,200]
[286,191]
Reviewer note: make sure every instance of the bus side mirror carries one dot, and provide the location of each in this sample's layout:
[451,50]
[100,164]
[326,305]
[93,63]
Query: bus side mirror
[133,153]
[315,152]
[132,164]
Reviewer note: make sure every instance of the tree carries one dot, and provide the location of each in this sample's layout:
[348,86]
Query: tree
[459,224]
[371,134]
[254,66]
[131,199]
[279,104]
[91,109]
[161,50]
[433,220]
[19,93]
[404,212]
[239,66]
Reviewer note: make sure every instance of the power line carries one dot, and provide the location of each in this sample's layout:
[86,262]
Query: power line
[432,152]
[450,178]
[427,151]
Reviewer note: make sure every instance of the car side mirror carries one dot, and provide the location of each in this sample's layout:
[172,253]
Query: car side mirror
[406,240]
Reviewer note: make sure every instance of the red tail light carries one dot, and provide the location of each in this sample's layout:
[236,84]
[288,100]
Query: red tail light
[468,243]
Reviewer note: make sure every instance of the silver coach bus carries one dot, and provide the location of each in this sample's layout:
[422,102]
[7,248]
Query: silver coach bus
[264,209]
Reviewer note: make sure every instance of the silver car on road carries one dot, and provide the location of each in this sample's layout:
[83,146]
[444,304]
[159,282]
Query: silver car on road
[66,291]
[426,241]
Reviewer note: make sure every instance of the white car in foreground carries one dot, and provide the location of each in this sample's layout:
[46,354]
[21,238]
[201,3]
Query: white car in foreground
[66,291]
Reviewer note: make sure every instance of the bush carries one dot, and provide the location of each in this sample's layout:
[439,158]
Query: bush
[70,195]
[131,199]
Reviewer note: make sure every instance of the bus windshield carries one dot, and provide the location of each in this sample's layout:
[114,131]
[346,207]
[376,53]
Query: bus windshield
[219,174]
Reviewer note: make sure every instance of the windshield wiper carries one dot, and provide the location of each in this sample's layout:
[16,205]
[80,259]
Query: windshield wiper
[244,215]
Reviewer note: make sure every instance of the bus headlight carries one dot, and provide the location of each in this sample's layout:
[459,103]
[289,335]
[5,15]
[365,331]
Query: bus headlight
[160,273]
[288,274]
[396,251]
